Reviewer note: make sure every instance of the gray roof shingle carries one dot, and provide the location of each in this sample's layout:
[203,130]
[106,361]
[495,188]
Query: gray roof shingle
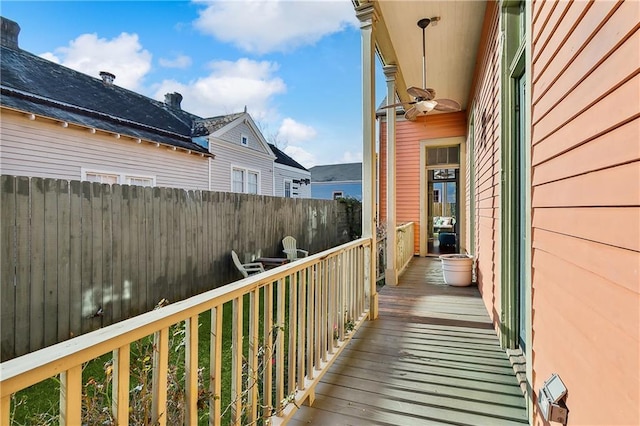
[35,85]
[282,158]
[336,172]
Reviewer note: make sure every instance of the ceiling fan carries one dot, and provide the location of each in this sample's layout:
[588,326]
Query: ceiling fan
[424,97]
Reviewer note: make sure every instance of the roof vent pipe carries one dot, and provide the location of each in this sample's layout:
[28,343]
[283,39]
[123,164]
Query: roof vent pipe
[107,77]
[10,31]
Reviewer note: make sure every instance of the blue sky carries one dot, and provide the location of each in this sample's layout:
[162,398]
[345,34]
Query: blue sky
[295,64]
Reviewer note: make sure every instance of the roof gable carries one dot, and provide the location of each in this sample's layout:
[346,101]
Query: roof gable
[224,124]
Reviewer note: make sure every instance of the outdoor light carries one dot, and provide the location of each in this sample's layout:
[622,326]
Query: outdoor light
[550,400]
[425,106]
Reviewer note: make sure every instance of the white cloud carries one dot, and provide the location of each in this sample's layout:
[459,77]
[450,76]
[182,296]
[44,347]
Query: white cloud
[261,26]
[351,157]
[180,61]
[228,88]
[302,156]
[122,56]
[292,132]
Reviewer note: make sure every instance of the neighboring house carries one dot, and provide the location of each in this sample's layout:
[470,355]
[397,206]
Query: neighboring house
[333,181]
[60,123]
[546,163]
[291,179]
[244,161]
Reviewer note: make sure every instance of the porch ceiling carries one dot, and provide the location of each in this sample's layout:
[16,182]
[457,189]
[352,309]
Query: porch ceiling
[451,44]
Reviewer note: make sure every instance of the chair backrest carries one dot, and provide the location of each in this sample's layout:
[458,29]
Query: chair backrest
[289,244]
[238,264]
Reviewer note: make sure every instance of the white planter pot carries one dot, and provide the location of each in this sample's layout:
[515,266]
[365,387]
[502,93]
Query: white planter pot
[456,269]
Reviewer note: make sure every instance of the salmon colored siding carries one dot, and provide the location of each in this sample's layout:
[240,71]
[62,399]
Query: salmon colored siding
[586,206]
[408,137]
[486,155]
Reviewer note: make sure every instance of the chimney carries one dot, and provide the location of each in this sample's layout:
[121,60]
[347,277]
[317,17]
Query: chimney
[173,100]
[107,77]
[10,31]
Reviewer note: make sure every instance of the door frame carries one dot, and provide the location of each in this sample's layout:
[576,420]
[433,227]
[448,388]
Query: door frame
[515,63]
[424,216]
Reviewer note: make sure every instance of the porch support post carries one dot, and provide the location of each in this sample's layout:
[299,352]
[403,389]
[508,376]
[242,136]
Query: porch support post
[367,16]
[391,272]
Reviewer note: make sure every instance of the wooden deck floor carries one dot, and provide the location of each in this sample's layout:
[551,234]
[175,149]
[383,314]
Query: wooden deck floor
[432,357]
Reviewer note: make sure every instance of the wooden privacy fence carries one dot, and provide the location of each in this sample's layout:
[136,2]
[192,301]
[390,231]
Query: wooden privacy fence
[77,256]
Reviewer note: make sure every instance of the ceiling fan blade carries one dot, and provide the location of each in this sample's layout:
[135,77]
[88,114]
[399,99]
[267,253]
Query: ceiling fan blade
[448,105]
[411,113]
[423,94]
[398,104]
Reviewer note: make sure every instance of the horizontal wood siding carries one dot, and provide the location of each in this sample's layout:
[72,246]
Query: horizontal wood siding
[228,156]
[234,134]
[408,137]
[41,148]
[586,206]
[487,163]
[297,189]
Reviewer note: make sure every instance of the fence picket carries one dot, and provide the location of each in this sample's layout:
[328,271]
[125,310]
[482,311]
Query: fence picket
[63,263]
[75,259]
[51,262]
[36,247]
[8,265]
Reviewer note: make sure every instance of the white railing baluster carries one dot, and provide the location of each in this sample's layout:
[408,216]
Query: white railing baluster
[160,370]
[269,346]
[325,312]
[333,305]
[5,410]
[311,291]
[215,367]
[252,370]
[302,319]
[293,332]
[71,396]
[279,353]
[317,316]
[236,361]
[191,371]
[120,389]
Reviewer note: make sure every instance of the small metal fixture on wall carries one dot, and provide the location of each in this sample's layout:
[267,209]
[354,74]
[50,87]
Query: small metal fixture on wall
[551,400]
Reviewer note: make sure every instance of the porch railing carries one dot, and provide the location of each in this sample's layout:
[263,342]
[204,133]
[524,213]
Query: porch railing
[300,316]
[404,248]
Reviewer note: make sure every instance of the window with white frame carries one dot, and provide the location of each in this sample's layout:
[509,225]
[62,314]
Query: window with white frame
[238,180]
[139,180]
[102,177]
[111,178]
[245,180]
[287,188]
[244,140]
[252,182]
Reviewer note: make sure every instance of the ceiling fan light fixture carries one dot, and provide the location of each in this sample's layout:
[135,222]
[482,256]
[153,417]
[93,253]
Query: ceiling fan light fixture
[425,106]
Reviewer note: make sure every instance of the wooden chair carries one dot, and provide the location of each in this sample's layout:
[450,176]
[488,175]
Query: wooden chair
[290,248]
[246,269]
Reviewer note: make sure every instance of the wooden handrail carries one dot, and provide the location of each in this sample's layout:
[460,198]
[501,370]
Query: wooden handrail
[324,290]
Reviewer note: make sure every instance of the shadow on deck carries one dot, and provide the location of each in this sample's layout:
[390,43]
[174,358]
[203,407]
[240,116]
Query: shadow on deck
[432,357]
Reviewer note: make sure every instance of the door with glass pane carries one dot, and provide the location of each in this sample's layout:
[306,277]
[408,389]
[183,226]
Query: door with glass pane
[443,216]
